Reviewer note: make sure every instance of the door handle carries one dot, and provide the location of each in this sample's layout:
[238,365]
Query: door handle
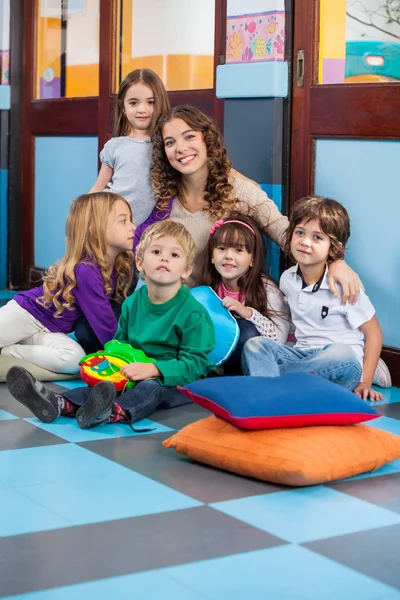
[300,68]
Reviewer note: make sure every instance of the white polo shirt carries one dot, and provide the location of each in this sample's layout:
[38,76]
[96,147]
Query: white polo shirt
[320,318]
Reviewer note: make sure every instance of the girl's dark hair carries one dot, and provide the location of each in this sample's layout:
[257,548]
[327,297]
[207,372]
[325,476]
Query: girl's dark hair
[161,102]
[252,283]
[167,181]
[333,219]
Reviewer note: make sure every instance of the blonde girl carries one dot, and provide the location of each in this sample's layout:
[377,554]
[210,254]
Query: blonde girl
[97,266]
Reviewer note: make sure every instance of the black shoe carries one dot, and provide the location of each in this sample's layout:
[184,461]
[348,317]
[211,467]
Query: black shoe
[98,408]
[33,394]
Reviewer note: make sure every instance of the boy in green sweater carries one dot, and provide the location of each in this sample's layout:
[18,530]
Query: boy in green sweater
[163,319]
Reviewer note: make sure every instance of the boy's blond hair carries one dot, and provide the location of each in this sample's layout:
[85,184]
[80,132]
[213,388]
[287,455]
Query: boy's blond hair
[168,228]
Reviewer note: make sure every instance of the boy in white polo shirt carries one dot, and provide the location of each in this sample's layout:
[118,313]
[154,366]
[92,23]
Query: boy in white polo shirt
[330,335]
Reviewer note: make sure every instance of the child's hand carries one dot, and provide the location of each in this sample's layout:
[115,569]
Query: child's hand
[237,307]
[364,391]
[139,371]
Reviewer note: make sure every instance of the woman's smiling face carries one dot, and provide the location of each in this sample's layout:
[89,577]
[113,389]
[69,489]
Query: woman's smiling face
[185,148]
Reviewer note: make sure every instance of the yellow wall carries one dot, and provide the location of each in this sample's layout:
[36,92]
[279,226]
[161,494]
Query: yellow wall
[332,33]
[48,46]
[178,71]
[82,80]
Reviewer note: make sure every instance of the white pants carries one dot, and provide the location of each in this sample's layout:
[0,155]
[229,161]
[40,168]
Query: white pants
[23,336]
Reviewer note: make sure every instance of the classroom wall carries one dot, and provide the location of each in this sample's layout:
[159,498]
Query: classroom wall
[4,127]
[254,84]
[174,38]
[65,168]
[364,176]
[82,55]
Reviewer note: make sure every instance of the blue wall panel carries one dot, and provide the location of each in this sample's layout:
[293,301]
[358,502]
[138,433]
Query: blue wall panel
[65,168]
[5,94]
[364,176]
[3,228]
[253,80]
[273,251]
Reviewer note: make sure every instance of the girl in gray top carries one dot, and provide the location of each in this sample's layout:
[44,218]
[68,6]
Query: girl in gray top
[126,158]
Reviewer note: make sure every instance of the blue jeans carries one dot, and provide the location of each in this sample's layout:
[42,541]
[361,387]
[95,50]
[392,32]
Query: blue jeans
[336,362]
[140,401]
[247,331]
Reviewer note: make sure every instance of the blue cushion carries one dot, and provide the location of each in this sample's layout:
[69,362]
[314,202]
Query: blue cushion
[291,400]
[226,327]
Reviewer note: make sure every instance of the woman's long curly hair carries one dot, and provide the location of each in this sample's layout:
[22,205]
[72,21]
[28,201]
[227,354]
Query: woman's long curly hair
[252,283]
[168,182]
[86,241]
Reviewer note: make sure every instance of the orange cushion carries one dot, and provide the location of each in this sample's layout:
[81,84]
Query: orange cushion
[296,457]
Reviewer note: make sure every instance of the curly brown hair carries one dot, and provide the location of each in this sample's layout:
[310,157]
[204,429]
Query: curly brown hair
[252,283]
[168,182]
[333,219]
[86,242]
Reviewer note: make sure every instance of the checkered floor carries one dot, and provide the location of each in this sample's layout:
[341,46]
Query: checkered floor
[110,514]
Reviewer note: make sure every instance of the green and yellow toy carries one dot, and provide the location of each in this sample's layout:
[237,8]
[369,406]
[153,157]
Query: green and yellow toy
[106,365]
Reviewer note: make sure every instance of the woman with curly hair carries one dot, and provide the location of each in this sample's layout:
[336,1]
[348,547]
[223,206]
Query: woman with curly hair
[97,266]
[196,185]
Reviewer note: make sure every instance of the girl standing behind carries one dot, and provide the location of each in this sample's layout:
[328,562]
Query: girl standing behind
[96,266]
[233,266]
[126,158]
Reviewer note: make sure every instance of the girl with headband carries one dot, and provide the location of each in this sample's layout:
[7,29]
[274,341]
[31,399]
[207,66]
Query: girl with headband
[233,265]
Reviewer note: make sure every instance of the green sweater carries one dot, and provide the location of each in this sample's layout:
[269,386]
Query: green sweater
[179,334]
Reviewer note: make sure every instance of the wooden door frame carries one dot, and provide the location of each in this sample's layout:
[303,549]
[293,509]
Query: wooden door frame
[352,120]
[89,116]
[15,176]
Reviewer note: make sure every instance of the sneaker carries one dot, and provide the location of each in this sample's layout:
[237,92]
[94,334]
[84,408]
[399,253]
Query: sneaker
[382,375]
[120,416]
[98,408]
[41,401]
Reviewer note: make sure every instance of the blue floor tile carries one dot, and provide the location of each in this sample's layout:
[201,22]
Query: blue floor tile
[282,573]
[56,464]
[71,384]
[108,497]
[391,395]
[386,424]
[6,416]
[68,429]
[20,515]
[388,469]
[152,586]
[308,514]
